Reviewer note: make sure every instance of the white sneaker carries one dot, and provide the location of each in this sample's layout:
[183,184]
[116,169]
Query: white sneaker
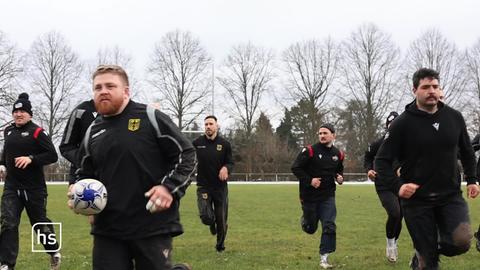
[55,261]
[392,254]
[391,251]
[324,262]
[4,267]
[325,265]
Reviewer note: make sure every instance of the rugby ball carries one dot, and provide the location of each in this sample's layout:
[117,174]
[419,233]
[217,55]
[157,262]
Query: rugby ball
[89,197]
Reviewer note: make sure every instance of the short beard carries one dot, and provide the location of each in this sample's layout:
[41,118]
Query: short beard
[109,108]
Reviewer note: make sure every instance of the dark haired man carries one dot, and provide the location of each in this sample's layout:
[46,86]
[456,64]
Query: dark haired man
[427,140]
[215,163]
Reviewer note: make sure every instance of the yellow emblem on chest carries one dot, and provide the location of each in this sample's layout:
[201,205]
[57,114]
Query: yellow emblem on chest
[133,124]
[219,147]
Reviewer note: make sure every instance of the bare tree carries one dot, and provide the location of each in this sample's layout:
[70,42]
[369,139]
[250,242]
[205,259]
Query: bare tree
[117,56]
[246,75]
[54,72]
[311,67]
[433,50]
[10,68]
[472,57]
[180,71]
[369,72]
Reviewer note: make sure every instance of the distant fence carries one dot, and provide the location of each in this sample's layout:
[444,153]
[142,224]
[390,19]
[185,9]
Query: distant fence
[241,177]
[279,177]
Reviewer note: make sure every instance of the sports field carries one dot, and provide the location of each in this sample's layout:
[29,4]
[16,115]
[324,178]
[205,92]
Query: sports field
[264,233]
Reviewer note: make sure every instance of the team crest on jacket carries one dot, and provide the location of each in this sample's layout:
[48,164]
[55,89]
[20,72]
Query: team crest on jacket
[219,147]
[335,158]
[436,126]
[320,156]
[25,134]
[133,124]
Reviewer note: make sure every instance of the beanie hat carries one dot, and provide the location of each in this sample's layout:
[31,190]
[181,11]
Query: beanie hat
[23,104]
[390,118]
[329,127]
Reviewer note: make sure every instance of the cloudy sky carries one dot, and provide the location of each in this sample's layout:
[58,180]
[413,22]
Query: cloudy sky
[135,25]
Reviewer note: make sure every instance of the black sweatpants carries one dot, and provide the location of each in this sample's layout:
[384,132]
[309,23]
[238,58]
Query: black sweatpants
[152,253]
[13,203]
[213,209]
[391,203]
[439,227]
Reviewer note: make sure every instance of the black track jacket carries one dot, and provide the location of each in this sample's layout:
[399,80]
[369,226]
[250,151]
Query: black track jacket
[427,146]
[324,162]
[80,119]
[368,164]
[27,140]
[130,153]
[212,156]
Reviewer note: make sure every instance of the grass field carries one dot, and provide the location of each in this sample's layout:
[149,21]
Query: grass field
[264,233]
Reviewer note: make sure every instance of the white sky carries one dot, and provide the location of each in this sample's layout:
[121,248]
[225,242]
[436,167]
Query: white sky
[135,25]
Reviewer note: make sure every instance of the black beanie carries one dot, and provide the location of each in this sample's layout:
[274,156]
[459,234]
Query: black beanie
[390,118]
[329,127]
[23,104]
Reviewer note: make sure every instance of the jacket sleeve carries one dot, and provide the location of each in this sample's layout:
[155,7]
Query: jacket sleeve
[369,156]
[299,165]
[228,158]
[340,164]
[72,136]
[84,159]
[180,154]
[387,157]
[2,156]
[476,143]
[478,169]
[467,154]
[47,154]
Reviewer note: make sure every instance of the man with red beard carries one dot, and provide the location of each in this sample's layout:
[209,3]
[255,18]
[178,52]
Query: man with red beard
[427,140]
[146,164]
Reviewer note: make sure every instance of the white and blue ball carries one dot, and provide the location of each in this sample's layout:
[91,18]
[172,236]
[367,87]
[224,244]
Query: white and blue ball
[89,197]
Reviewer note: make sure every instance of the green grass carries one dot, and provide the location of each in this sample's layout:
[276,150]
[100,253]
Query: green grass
[264,233]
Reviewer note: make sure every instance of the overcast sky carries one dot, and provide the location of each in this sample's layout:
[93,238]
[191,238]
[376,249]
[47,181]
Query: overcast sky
[135,25]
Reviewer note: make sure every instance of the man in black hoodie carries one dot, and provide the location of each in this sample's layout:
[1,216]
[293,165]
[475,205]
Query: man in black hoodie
[427,140]
[27,148]
[317,168]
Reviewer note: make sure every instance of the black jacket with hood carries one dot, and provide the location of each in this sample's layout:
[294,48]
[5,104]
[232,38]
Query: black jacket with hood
[427,147]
